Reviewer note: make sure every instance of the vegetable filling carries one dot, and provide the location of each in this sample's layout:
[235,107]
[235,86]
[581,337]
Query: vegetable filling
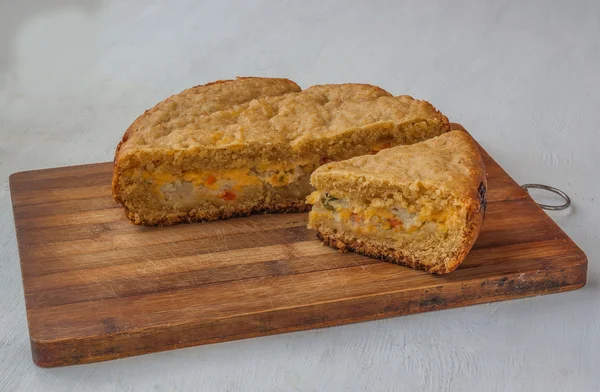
[225,186]
[371,220]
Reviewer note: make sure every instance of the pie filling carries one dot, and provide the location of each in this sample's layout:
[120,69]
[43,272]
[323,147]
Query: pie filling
[373,221]
[187,188]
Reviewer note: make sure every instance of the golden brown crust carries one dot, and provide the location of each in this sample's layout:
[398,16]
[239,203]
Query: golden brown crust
[247,113]
[336,241]
[371,249]
[193,216]
[450,162]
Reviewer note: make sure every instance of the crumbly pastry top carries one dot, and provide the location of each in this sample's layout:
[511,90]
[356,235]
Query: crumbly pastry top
[450,161]
[250,111]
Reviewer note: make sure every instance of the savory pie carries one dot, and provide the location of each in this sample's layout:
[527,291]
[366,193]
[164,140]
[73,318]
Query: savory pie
[248,145]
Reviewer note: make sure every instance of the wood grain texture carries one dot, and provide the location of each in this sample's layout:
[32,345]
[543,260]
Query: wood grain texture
[98,288]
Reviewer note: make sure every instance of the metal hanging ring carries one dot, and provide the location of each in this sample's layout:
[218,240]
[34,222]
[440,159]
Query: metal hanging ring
[553,190]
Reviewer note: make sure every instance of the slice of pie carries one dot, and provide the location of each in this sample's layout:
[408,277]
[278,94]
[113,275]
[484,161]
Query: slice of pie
[420,206]
[250,145]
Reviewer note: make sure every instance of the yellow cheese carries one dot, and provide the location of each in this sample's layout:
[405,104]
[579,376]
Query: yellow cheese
[211,180]
[314,197]
[345,213]
[381,212]
[372,220]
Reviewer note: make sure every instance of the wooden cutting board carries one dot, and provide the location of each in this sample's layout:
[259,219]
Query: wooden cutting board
[98,288]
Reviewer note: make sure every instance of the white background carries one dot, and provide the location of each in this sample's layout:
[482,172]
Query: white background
[522,76]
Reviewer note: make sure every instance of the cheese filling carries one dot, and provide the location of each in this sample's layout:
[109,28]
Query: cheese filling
[372,220]
[187,187]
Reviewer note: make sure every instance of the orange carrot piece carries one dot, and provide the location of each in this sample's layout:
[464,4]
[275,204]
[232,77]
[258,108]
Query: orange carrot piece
[228,195]
[211,179]
[394,222]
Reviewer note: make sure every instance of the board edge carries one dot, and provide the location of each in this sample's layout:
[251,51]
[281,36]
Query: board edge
[58,353]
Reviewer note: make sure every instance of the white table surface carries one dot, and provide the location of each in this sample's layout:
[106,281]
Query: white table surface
[522,76]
